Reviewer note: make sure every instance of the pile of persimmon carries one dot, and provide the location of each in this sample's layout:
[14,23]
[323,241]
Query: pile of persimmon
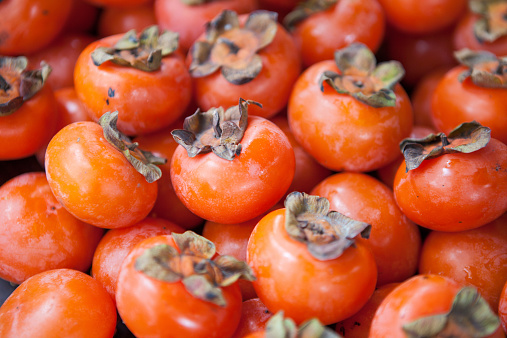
[253,168]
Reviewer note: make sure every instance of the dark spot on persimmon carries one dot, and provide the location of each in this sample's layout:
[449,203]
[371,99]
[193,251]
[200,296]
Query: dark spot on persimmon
[110,92]
[107,102]
[266,311]
[53,207]
[357,324]
[45,12]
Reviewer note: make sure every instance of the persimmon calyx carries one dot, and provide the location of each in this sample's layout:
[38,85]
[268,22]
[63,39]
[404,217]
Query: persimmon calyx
[465,138]
[304,10]
[485,69]
[143,161]
[17,84]
[280,327]
[193,264]
[144,52]
[492,22]
[216,130]
[362,78]
[232,48]
[470,316]
[327,234]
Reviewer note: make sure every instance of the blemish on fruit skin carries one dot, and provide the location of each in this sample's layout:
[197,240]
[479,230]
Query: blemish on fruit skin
[107,102]
[110,92]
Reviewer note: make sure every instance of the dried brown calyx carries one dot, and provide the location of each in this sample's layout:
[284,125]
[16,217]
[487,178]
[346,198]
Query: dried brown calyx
[466,138]
[305,9]
[280,327]
[18,84]
[144,52]
[470,317]
[492,23]
[362,78]
[485,68]
[143,161]
[232,48]
[194,266]
[326,233]
[216,130]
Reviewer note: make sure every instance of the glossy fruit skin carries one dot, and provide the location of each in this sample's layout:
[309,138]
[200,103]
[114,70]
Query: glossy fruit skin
[37,234]
[281,66]
[236,191]
[342,133]
[455,102]
[117,243]
[189,21]
[30,127]
[348,20]
[329,290]
[149,306]
[416,17]
[30,25]
[468,190]
[58,303]
[394,240]
[146,101]
[464,37]
[167,205]
[254,315]
[115,20]
[476,257]
[358,325]
[94,181]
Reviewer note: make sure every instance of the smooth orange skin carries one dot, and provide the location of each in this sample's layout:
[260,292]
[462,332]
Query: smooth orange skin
[281,66]
[190,20]
[420,296]
[236,191]
[394,240]
[464,37]
[468,190]
[150,307]
[290,279]
[348,21]
[58,303]
[61,55]
[167,205]
[37,234]
[232,239]
[30,25]
[358,325]
[421,17]
[502,308]
[476,257]
[387,173]
[117,243]
[342,133]
[308,171]
[146,101]
[94,181]
[455,102]
[420,54]
[114,20]
[254,315]
[30,127]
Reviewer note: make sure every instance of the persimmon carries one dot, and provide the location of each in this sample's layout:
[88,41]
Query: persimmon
[140,76]
[254,315]
[345,116]
[321,27]
[37,233]
[244,56]
[394,240]
[114,20]
[225,169]
[189,17]
[476,257]
[310,248]
[462,175]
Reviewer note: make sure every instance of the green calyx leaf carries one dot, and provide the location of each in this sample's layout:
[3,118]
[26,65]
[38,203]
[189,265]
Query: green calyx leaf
[485,68]
[144,52]
[304,10]
[327,234]
[466,138]
[216,130]
[362,78]
[278,326]
[143,161]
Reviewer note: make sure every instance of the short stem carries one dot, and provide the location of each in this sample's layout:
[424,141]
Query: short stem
[4,85]
[445,141]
